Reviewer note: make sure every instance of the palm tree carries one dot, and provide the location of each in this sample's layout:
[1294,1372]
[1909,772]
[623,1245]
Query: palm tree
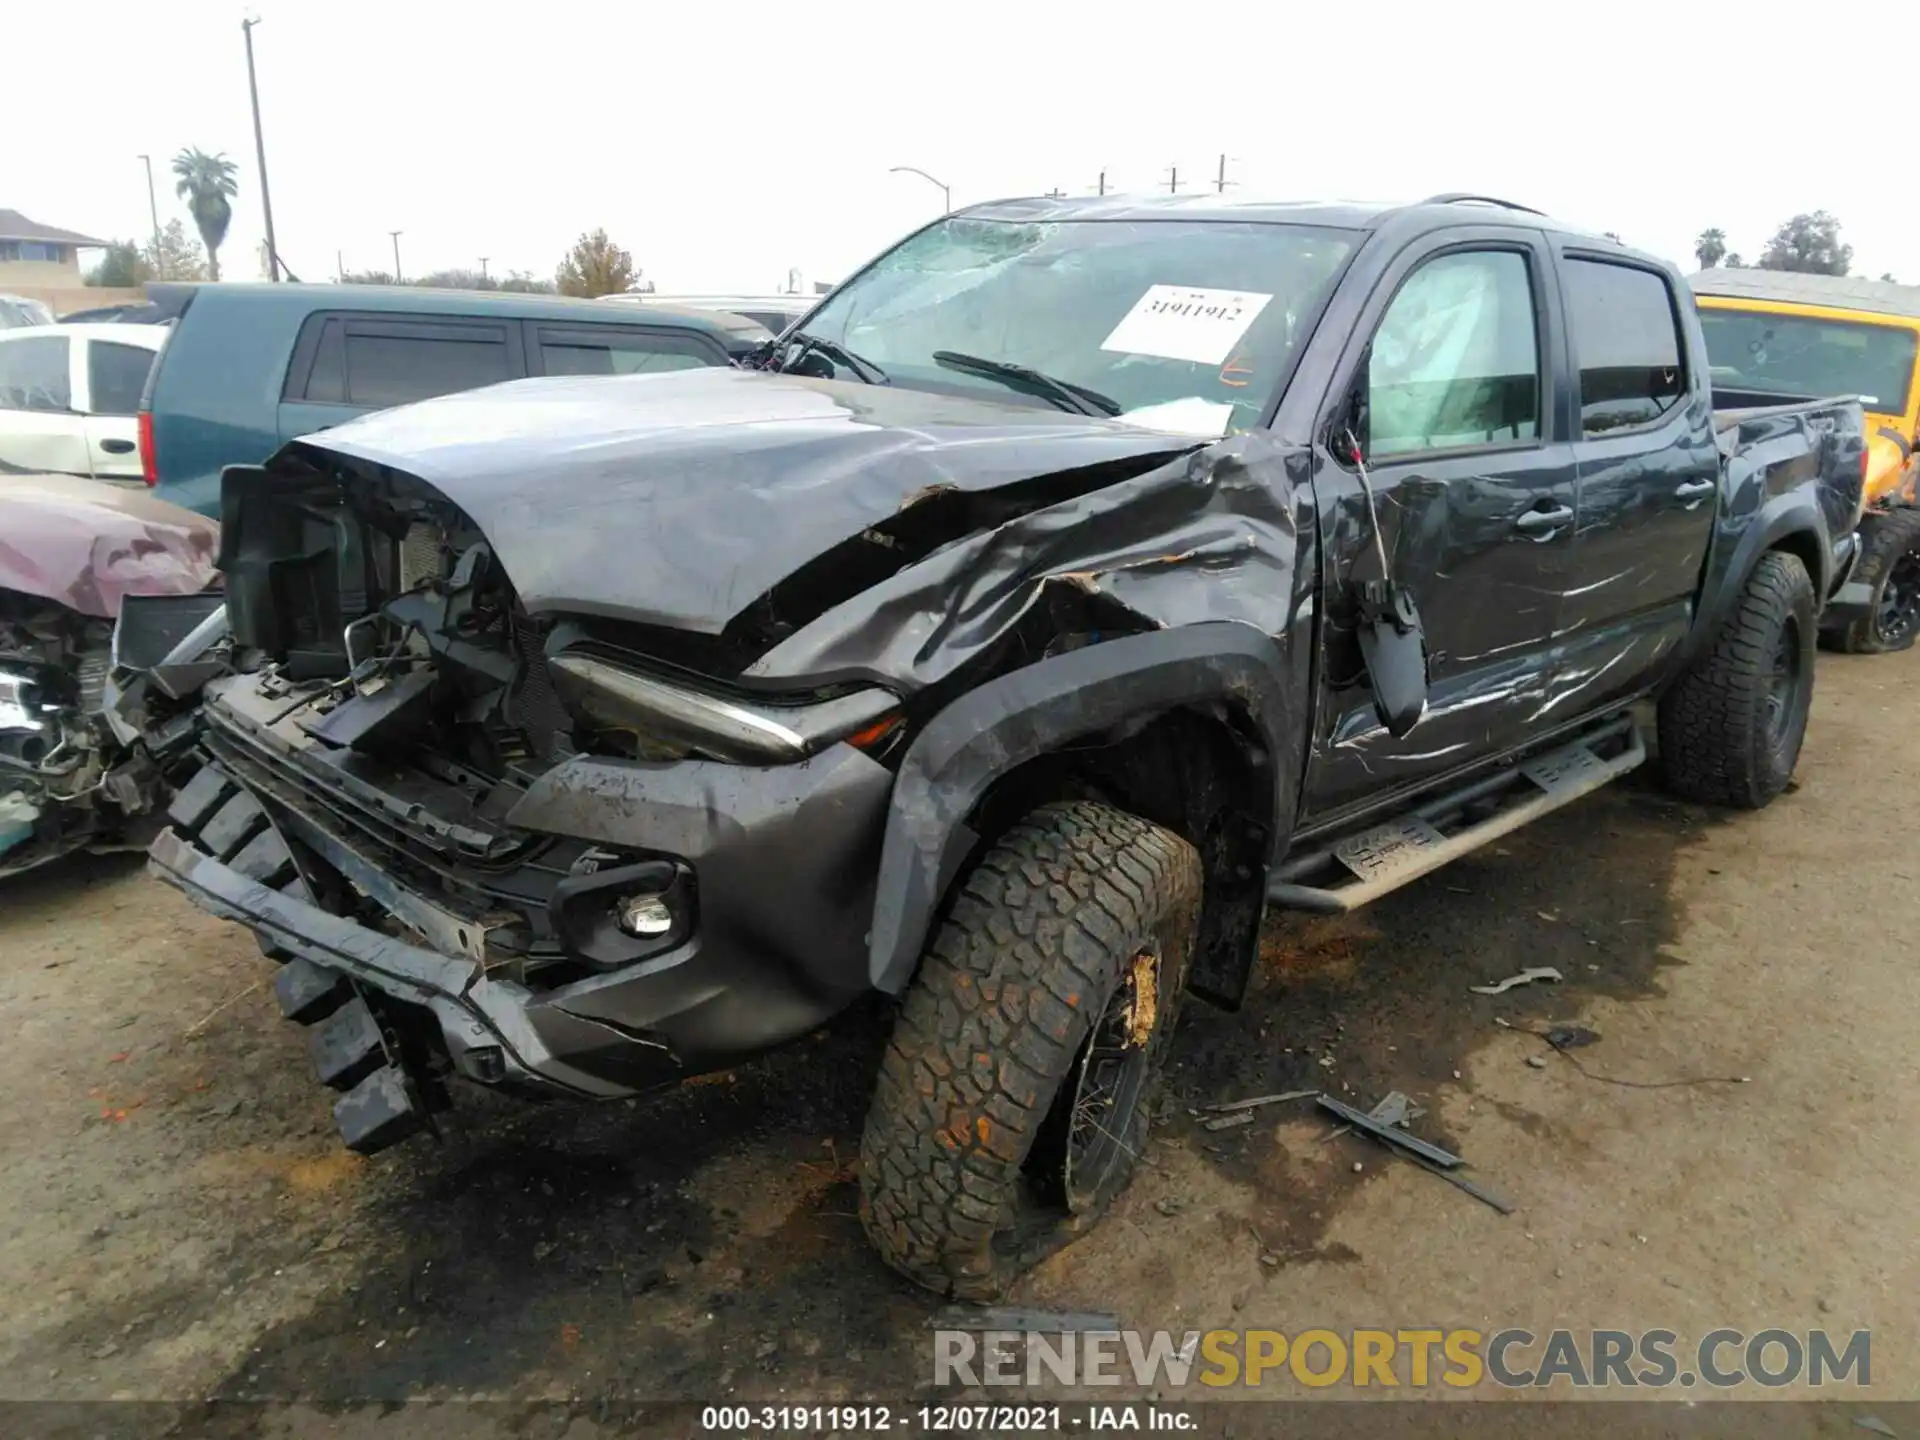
[206,183]
[1710,248]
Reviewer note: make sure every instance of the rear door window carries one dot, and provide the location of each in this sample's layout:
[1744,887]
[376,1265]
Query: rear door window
[1626,341]
[116,376]
[606,350]
[376,362]
[34,374]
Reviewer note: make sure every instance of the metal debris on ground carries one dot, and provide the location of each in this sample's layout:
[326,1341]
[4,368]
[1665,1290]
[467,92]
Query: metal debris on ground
[1455,1178]
[1394,1109]
[1228,1122]
[1525,977]
[1026,1321]
[1876,1425]
[1388,1134]
[1428,1157]
[1227,1107]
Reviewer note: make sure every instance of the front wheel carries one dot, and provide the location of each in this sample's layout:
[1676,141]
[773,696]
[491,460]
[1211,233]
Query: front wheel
[1731,727]
[1012,1102]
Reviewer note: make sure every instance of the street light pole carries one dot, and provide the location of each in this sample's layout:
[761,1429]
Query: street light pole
[396,255]
[153,208]
[260,151]
[946,195]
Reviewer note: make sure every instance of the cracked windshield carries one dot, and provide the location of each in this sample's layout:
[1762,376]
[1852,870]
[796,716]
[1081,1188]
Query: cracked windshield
[1178,326]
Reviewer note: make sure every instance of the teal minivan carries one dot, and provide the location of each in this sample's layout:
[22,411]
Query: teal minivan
[250,367]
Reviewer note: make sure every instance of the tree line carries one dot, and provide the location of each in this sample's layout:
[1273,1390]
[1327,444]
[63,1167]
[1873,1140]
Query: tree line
[1809,243]
[594,265]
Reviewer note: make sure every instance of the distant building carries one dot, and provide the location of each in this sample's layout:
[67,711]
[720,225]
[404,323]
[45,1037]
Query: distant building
[32,254]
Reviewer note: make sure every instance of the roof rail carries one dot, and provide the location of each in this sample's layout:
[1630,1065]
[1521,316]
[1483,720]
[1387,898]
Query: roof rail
[1458,197]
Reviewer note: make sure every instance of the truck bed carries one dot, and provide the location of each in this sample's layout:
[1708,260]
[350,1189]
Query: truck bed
[1732,405]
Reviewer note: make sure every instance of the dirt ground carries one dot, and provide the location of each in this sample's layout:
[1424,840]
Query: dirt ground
[178,1221]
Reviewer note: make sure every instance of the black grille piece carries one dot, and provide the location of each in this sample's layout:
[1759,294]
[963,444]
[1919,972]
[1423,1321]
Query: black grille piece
[533,705]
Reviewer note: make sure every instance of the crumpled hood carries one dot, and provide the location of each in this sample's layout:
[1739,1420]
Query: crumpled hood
[678,499]
[86,544]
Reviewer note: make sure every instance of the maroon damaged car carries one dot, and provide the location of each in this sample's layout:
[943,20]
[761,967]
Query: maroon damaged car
[76,556]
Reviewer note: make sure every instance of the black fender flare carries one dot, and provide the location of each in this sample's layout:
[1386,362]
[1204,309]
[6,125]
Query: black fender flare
[1028,712]
[1781,520]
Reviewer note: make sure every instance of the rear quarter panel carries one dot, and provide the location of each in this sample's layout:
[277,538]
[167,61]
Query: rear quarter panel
[1793,481]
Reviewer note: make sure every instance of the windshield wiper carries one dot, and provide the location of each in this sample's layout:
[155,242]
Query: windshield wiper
[866,370]
[1064,394]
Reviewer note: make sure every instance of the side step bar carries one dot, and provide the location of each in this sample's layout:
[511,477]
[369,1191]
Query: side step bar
[1373,862]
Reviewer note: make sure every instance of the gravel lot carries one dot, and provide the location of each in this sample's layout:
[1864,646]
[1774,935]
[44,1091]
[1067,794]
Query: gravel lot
[180,1222]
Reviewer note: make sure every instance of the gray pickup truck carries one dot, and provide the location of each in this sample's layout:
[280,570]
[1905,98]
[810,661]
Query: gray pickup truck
[1077,581]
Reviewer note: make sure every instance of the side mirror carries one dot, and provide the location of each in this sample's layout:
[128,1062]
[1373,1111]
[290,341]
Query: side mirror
[1394,647]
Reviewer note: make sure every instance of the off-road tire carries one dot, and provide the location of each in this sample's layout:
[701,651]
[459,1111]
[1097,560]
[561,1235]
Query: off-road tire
[1729,733]
[1889,543]
[1057,917]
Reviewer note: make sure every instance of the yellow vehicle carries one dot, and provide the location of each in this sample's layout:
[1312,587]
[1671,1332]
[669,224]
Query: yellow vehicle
[1775,335]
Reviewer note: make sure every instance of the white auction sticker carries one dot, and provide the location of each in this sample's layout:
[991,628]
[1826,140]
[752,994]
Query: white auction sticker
[1178,322]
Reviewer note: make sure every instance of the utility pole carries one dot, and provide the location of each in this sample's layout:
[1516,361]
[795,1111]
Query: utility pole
[153,209]
[1056,193]
[1103,182]
[260,150]
[1173,179]
[483,267]
[1220,184]
[339,268]
[396,255]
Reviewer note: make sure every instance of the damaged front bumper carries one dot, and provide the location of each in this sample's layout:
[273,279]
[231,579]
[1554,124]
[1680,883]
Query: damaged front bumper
[781,860]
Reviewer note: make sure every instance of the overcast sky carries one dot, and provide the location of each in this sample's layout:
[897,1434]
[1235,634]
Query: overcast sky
[724,143]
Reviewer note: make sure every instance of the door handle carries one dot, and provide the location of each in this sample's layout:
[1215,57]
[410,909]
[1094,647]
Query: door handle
[1694,489]
[1537,520]
[117,447]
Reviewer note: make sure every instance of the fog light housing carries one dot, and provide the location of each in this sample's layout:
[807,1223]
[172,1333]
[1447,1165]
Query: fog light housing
[647,916]
[625,913]
[484,1063]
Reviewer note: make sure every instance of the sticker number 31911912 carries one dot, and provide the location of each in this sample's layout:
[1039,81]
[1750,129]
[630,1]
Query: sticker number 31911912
[1180,322]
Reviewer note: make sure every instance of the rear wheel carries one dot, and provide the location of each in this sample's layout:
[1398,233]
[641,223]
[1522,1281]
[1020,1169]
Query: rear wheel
[1731,728]
[1012,1102]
